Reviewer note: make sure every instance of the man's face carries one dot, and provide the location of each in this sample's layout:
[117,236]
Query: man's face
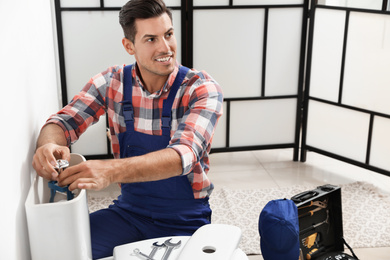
[154,47]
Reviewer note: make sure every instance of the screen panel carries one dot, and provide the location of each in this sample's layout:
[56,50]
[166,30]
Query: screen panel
[211,2]
[283,51]
[115,3]
[380,147]
[366,80]
[93,141]
[338,130]
[228,44]
[267,2]
[364,4]
[172,3]
[219,140]
[262,122]
[107,3]
[327,54]
[90,50]
[78,3]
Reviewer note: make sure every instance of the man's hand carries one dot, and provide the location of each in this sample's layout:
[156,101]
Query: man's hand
[51,145]
[45,159]
[91,175]
[99,174]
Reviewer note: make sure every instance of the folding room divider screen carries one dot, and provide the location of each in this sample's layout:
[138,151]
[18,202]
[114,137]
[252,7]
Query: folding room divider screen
[347,112]
[256,50]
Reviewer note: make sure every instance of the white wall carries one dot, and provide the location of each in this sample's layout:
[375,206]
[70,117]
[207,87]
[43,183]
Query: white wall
[28,96]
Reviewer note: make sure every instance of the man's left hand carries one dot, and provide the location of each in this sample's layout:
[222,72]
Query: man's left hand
[90,175]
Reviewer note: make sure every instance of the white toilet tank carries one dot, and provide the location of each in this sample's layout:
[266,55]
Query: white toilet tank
[58,230]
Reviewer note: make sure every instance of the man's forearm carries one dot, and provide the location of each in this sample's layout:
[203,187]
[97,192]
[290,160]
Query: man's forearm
[98,174]
[51,133]
[153,166]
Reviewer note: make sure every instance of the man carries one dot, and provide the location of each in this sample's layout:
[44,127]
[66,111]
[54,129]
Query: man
[162,118]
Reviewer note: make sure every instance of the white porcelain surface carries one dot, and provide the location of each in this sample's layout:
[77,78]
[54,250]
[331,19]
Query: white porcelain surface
[58,230]
[214,242]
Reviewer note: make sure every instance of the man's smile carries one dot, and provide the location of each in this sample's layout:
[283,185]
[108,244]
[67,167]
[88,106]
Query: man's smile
[164,59]
[167,57]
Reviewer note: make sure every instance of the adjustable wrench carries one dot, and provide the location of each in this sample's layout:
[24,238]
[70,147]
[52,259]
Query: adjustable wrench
[170,246]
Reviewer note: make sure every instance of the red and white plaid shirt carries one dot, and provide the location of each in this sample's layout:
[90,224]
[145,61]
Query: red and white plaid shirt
[195,113]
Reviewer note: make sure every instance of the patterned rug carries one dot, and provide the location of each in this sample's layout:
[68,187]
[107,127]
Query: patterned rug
[366,212]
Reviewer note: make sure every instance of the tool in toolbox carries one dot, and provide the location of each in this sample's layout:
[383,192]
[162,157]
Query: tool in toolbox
[315,252]
[311,240]
[53,185]
[320,224]
[320,205]
[314,226]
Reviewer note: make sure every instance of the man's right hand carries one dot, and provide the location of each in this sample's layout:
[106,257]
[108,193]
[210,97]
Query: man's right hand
[45,159]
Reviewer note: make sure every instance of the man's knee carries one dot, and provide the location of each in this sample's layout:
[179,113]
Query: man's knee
[109,229]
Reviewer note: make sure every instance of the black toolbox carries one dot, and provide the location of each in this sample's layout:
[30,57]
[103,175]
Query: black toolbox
[321,223]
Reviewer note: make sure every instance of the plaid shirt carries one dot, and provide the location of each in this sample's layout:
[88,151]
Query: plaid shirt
[195,112]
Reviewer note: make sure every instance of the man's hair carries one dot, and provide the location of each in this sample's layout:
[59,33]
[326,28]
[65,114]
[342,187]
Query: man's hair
[140,9]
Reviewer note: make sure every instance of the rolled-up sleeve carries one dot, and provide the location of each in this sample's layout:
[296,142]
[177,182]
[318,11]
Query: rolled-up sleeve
[84,110]
[193,137]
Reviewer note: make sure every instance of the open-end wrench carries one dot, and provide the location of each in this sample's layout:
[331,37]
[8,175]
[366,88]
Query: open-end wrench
[156,247]
[170,246]
[141,255]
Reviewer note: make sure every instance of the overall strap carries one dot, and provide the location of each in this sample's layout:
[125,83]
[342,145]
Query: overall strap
[128,112]
[167,105]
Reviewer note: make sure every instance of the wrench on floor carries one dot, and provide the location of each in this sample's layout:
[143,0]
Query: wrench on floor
[170,246]
[156,247]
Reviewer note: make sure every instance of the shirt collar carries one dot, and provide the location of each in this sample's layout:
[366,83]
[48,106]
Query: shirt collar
[168,84]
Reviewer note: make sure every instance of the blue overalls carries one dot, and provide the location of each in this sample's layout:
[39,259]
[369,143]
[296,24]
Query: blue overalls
[148,209]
